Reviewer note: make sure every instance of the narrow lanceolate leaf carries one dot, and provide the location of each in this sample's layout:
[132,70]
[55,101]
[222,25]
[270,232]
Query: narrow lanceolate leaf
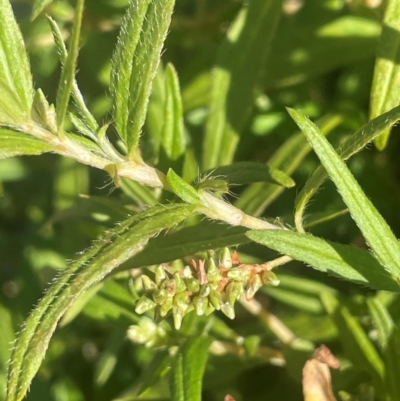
[68,71]
[247,172]
[240,62]
[134,65]
[344,261]
[15,74]
[84,112]
[350,146]
[38,7]
[188,368]
[14,143]
[181,188]
[384,93]
[173,133]
[106,255]
[372,225]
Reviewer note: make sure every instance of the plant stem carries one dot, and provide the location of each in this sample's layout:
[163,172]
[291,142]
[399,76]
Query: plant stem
[211,206]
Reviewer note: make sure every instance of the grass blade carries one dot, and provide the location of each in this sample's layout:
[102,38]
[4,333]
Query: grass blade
[188,368]
[384,92]
[241,60]
[134,66]
[15,71]
[372,225]
[344,261]
[352,145]
[106,255]
[68,71]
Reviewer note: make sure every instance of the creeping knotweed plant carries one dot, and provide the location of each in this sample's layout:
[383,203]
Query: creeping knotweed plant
[214,283]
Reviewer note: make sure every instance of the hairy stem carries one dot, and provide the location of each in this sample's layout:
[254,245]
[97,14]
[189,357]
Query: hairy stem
[211,206]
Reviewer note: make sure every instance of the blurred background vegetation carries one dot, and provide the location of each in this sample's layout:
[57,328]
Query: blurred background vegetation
[321,62]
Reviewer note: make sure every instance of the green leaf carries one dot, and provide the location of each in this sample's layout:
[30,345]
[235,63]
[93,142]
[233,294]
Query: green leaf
[68,71]
[134,66]
[254,199]
[14,143]
[188,241]
[86,115]
[247,172]
[106,255]
[15,74]
[240,62]
[188,368]
[356,343]
[155,112]
[344,261]
[372,225]
[173,133]
[38,7]
[381,320]
[181,188]
[384,93]
[350,146]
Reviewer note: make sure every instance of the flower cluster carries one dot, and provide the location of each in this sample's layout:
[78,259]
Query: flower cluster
[206,285]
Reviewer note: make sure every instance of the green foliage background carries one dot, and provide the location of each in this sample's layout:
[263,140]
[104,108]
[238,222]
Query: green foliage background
[321,62]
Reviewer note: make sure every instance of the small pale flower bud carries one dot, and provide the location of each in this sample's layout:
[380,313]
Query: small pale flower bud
[165,307]
[200,305]
[187,272]
[238,274]
[148,283]
[170,286]
[215,299]
[213,273]
[270,278]
[178,316]
[228,310]
[233,291]
[144,304]
[253,286]
[181,301]
[179,282]
[161,275]
[160,295]
[192,284]
[225,259]
[205,290]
